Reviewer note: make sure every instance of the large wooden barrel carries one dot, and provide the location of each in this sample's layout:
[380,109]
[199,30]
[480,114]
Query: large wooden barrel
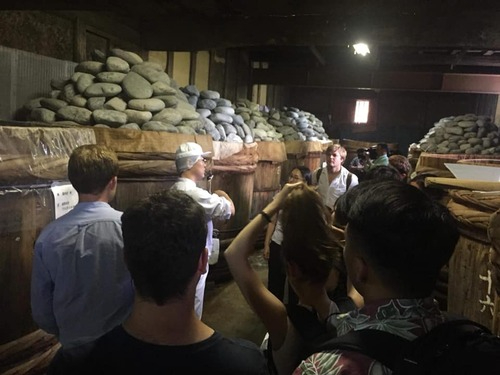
[267,178]
[471,292]
[234,166]
[434,163]
[23,214]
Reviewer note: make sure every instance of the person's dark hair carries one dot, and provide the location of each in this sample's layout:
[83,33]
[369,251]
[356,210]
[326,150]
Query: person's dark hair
[402,165]
[383,172]
[419,181]
[306,174]
[405,236]
[311,243]
[164,236]
[91,167]
[383,146]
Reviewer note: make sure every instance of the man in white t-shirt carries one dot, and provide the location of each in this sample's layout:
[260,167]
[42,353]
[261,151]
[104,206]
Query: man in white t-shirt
[333,180]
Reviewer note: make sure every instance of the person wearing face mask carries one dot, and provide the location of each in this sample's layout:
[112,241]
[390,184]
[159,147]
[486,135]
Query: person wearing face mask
[334,179]
[191,163]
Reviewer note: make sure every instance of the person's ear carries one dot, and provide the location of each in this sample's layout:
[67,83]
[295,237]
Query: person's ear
[113,182]
[203,262]
[360,272]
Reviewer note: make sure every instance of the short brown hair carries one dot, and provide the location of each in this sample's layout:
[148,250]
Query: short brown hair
[91,167]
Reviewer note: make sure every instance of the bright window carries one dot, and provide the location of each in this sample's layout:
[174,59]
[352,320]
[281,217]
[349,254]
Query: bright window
[361,112]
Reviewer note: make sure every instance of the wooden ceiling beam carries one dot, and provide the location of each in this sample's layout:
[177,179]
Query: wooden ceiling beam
[378,80]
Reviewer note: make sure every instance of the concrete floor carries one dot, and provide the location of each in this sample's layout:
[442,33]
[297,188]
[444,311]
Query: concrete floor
[226,310]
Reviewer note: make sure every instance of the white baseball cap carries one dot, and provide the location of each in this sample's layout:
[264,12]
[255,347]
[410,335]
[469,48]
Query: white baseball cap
[187,155]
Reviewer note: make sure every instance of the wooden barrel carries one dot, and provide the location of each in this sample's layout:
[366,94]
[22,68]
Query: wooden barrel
[267,178]
[434,163]
[234,166]
[128,191]
[471,291]
[23,214]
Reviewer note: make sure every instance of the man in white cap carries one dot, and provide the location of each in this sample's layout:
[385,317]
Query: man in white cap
[190,163]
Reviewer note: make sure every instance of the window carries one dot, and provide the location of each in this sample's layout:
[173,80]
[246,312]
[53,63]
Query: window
[361,112]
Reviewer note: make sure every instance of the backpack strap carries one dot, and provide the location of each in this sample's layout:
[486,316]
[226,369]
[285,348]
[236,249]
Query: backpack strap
[384,347]
[318,174]
[348,182]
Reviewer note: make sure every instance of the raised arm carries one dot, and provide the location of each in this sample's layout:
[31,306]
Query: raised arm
[269,309]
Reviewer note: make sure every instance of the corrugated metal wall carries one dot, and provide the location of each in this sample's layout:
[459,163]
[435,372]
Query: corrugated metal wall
[25,76]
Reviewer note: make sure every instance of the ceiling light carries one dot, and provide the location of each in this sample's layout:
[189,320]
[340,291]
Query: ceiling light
[361,49]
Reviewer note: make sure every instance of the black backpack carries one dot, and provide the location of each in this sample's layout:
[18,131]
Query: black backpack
[458,347]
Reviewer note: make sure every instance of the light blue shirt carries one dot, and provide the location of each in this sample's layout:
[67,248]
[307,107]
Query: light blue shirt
[80,286]
[215,206]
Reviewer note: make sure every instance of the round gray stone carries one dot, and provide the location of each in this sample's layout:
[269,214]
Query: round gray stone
[224,110]
[43,115]
[207,104]
[151,105]
[193,99]
[186,130]
[53,104]
[98,55]
[168,115]
[221,131]
[139,117]
[162,88]
[188,114]
[90,67]
[102,89]
[159,126]
[68,92]
[131,125]
[191,90]
[237,119]
[58,83]
[79,101]
[223,102]
[84,81]
[96,102]
[214,134]
[169,100]
[117,64]
[109,117]
[152,72]
[77,114]
[240,131]
[195,124]
[130,57]
[210,94]
[230,129]
[136,86]
[111,77]
[220,117]
[116,103]
[204,112]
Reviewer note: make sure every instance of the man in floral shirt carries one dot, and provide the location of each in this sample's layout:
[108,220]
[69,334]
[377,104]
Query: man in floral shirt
[397,240]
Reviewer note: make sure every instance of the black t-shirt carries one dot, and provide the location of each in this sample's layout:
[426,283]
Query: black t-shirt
[119,353]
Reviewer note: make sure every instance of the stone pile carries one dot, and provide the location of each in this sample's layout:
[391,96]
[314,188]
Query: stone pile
[246,122]
[465,134]
[118,91]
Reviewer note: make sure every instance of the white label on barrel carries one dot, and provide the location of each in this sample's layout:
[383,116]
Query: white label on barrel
[65,198]
[487,302]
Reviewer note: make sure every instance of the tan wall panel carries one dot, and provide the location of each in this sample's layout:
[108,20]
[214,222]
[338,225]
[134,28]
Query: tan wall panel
[181,68]
[202,70]
[159,57]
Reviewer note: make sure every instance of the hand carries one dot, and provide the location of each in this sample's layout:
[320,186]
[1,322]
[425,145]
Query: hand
[281,196]
[266,253]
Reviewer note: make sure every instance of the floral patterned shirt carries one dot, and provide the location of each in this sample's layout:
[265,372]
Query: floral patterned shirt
[408,318]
